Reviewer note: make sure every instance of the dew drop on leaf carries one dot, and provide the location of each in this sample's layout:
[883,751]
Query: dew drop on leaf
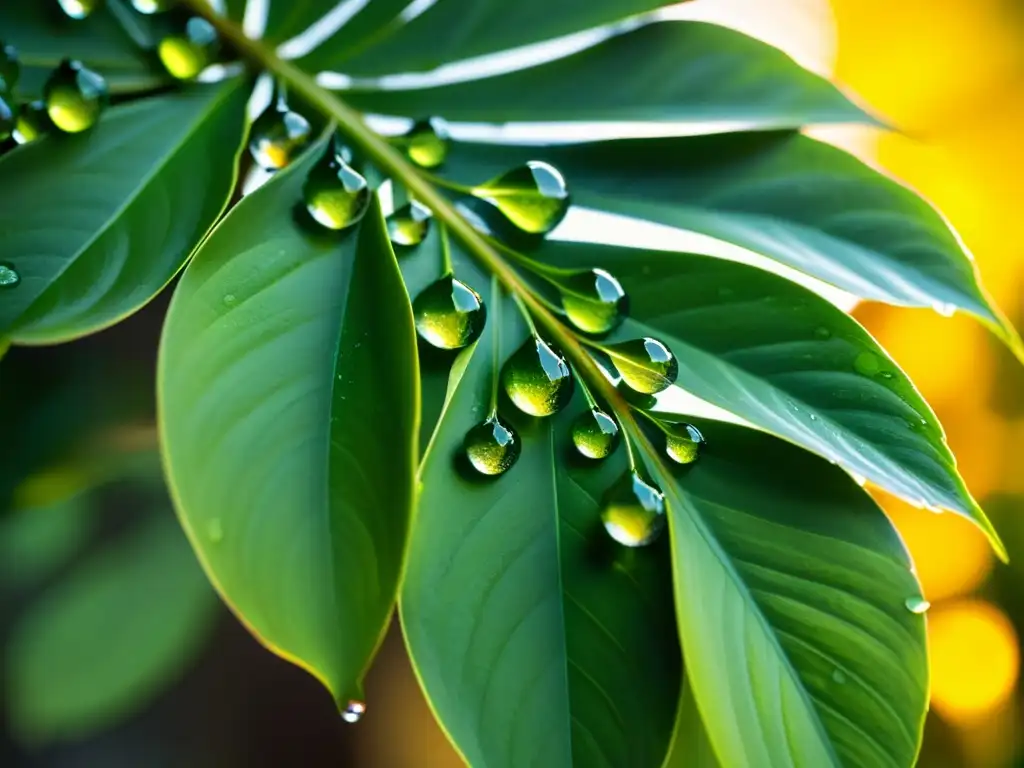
[683,443]
[229,299]
[278,135]
[449,314]
[838,676]
[917,604]
[646,365]
[152,6]
[593,300]
[188,52]
[409,224]
[426,143]
[867,363]
[353,711]
[336,195]
[32,122]
[595,434]
[537,379]
[534,197]
[633,511]
[77,9]
[75,96]
[823,333]
[9,277]
[10,68]
[492,447]
[214,530]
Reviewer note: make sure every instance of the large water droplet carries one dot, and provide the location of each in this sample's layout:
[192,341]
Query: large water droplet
[595,434]
[152,6]
[187,53]
[917,604]
[278,135]
[10,68]
[7,120]
[533,197]
[214,530]
[9,276]
[683,443]
[492,447]
[409,224]
[449,314]
[645,365]
[537,379]
[594,300]
[336,195]
[353,711]
[32,122]
[633,511]
[77,9]
[426,143]
[75,96]
[867,363]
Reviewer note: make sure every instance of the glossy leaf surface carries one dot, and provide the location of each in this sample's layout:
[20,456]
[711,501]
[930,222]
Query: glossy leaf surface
[289,411]
[96,224]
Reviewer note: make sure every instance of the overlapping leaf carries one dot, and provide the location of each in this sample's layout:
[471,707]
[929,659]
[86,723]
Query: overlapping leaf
[289,413]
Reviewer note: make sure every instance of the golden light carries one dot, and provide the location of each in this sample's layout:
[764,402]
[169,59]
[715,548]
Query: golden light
[975,659]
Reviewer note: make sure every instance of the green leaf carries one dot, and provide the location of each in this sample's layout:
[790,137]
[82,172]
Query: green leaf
[44,36]
[787,361]
[468,27]
[537,641]
[35,542]
[97,223]
[289,409]
[110,636]
[791,590]
[804,203]
[691,747]
[666,71]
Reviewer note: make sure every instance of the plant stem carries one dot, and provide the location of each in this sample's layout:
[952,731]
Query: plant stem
[446,252]
[496,345]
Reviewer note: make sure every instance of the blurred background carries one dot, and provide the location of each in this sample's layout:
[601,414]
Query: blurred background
[93,569]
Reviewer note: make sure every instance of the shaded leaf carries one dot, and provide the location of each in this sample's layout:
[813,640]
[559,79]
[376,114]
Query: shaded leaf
[97,223]
[35,542]
[288,402]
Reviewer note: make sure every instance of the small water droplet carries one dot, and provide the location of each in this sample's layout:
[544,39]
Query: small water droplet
[77,9]
[336,195]
[10,68]
[595,434]
[725,292]
[492,447]
[229,299]
[32,123]
[867,363]
[449,314]
[9,276]
[633,511]
[426,143]
[278,135]
[683,442]
[534,197]
[75,96]
[917,604]
[646,365]
[152,6]
[822,333]
[838,676]
[593,300]
[187,52]
[537,379]
[353,711]
[408,225]
[214,530]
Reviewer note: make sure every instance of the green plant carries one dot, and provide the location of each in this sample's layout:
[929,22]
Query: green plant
[318,453]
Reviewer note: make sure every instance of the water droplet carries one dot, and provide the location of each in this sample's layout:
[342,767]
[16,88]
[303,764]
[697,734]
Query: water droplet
[10,68]
[533,197]
[867,363]
[188,52]
[77,9]
[683,443]
[838,676]
[537,379]
[7,120]
[595,434]
[229,299]
[594,300]
[9,276]
[33,121]
[944,308]
[75,96]
[336,195]
[353,711]
[278,135]
[214,530]
[152,6]
[645,365]
[917,604]
[409,224]
[633,511]
[449,314]
[426,143]
[813,416]
[492,447]
[823,333]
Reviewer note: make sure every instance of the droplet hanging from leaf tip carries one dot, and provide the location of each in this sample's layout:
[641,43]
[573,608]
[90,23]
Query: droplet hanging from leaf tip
[408,225]
[188,52]
[534,197]
[683,443]
[353,711]
[77,9]
[9,276]
[449,314]
[917,605]
[32,122]
[593,300]
[646,365]
[278,135]
[75,96]
[336,195]
[595,434]
[426,143]
[537,379]
[633,511]
[492,447]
